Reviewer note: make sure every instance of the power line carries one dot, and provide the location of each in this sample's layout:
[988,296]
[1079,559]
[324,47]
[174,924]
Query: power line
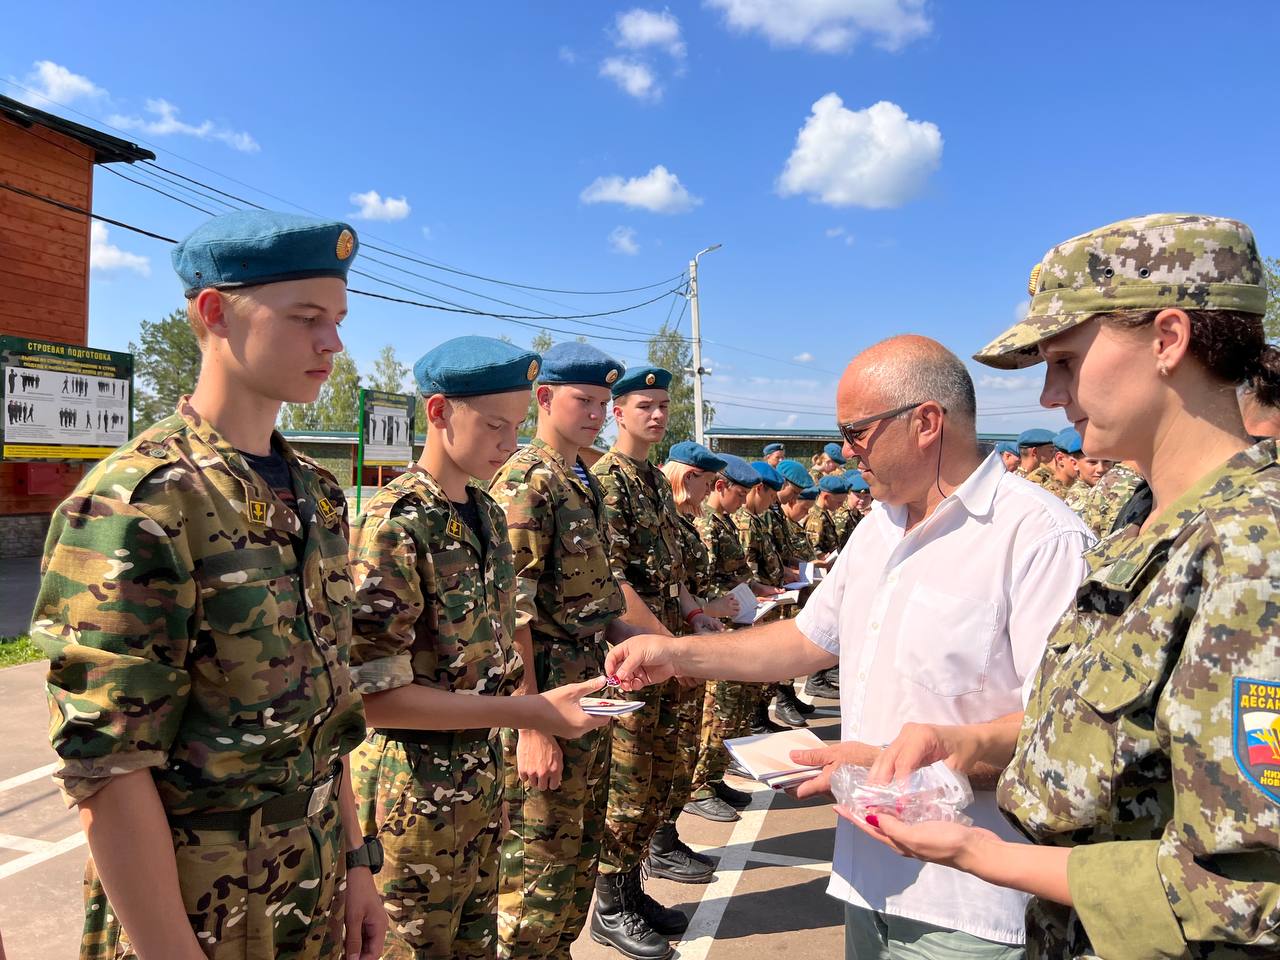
[74,209]
[163,193]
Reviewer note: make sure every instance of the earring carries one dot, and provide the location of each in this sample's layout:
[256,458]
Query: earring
[1162,369]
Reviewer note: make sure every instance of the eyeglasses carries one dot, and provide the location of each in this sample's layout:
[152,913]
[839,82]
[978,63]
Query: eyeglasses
[855,431]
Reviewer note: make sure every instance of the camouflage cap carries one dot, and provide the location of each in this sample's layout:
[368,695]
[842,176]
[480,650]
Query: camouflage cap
[1147,263]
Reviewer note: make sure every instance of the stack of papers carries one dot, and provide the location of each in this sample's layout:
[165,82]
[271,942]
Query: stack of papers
[604,707]
[812,573]
[767,756]
[751,608]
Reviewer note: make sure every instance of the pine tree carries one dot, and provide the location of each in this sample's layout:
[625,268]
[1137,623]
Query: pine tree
[337,407]
[166,362]
[669,350]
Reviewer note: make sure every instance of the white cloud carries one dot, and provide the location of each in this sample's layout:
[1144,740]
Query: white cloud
[623,240]
[632,76]
[567,55]
[638,29]
[839,233]
[877,157]
[105,256]
[805,357]
[991,381]
[829,26]
[658,191]
[373,206]
[789,420]
[166,122]
[52,85]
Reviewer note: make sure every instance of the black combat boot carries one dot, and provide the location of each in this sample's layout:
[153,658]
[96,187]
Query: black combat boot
[789,691]
[819,686]
[760,722]
[616,922]
[734,798]
[665,920]
[672,860]
[786,708]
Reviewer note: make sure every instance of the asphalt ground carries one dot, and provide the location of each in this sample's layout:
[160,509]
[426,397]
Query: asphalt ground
[768,898]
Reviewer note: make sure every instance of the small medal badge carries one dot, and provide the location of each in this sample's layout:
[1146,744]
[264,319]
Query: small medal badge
[650,380]
[611,376]
[1255,732]
[533,371]
[346,243]
[258,511]
[328,512]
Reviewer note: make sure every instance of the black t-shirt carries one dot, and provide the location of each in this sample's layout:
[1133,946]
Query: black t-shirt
[275,471]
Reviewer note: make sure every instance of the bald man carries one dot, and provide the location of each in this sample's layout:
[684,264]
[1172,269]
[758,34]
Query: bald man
[943,626]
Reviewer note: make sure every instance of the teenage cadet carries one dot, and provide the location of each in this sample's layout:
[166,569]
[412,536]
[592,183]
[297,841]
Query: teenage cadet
[1144,767]
[794,548]
[1035,448]
[1067,454]
[1008,451]
[773,453]
[196,609]
[567,606]
[1108,497]
[434,655]
[643,542]
[821,523]
[830,460]
[726,706]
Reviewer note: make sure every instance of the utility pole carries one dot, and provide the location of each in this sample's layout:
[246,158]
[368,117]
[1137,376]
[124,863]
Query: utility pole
[699,433]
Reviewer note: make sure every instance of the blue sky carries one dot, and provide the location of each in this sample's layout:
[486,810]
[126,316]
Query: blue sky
[872,167]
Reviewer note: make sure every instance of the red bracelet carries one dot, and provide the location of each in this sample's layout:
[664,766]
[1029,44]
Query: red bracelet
[688,617]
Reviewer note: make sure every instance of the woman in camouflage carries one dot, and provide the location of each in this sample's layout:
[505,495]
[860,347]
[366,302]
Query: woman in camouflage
[1146,769]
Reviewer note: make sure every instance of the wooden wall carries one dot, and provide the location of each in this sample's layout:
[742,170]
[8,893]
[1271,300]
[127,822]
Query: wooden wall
[44,266]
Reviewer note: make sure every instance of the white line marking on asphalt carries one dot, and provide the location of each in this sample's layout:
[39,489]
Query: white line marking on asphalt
[696,943]
[20,779]
[55,849]
[26,844]
[782,860]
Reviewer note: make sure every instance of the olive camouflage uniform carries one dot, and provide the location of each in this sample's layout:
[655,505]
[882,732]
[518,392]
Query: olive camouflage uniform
[1138,747]
[766,565]
[1043,476]
[434,606]
[1076,495]
[566,595]
[1108,497]
[846,520]
[697,565]
[820,525]
[643,537]
[727,705]
[198,628]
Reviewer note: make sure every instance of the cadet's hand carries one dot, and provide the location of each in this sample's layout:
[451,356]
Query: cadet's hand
[917,745]
[703,623]
[642,660]
[564,716]
[366,920]
[838,754]
[764,590]
[539,760]
[726,606]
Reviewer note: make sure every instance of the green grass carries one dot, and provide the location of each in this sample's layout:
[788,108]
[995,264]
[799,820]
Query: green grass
[16,650]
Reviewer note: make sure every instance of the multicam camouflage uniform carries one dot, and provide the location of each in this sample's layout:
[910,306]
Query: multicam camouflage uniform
[846,519]
[198,628]
[1108,497]
[1076,495]
[820,525]
[434,606]
[766,566]
[727,705]
[644,551]
[1135,748]
[566,595]
[1043,476]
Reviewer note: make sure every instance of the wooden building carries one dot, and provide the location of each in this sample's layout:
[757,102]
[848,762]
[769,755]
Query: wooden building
[44,276]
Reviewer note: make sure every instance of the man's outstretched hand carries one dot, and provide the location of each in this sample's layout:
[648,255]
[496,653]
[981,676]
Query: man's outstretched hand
[641,661]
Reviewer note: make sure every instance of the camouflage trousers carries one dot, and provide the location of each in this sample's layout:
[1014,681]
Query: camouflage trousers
[437,808]
[273,892]
[726,713]
[688,707]
[551,853]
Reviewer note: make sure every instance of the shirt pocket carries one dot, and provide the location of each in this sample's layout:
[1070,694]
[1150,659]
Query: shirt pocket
[945,641]
[464,641]
[334,622]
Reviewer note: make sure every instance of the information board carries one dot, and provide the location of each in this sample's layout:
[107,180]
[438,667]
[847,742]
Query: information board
[387,428]
[63,401]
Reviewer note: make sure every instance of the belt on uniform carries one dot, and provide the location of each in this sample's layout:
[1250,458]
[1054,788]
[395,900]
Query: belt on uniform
[596,639]
[292,806]
[438,738]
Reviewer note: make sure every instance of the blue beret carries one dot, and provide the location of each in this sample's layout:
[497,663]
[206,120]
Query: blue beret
[249,247]
[1007,446]
[834,451]
[1068,440]
[739,471]
[809,493]
[855,482]
[642,378]
[1034,438]
[574,362]
[695,455]
[771,447]
[833,483]
[771,477]
[470,366]
[794,472]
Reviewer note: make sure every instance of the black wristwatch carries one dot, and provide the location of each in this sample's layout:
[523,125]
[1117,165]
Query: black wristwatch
[368,854]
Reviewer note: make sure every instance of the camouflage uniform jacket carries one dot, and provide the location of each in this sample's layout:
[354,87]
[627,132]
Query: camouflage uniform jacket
[642,528]
[846,519]
[775,522]
[1108,497]
[697,560]
[434,599]
[1044,477]
[728,562]
[801,545]
[1077,493]
[555,523]
[821,528]
[1134,749]
[196,626]
[757,545]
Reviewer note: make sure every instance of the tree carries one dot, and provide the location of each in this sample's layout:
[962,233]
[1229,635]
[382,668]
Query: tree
[540,344]
[1271,278]
[166,361]
[337,407]
[389,374]
[669,350]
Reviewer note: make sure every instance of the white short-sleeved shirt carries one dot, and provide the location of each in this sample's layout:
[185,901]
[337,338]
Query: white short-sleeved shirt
[945,624]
